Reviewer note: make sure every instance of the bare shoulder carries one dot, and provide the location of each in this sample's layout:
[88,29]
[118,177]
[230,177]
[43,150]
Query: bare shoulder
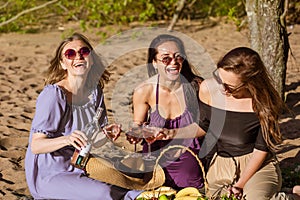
[142,89]
[206,90]
[145,88]
[203,89]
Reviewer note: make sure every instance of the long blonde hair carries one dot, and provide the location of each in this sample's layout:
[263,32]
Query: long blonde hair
[267,103]
[97,75]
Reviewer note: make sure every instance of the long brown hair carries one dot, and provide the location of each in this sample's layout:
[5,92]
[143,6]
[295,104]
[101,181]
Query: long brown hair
[266,101]
[97,75]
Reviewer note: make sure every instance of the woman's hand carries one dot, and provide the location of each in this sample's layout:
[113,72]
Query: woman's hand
[191,131]
[166,134]
[237,192]
[112,131]
[77,139]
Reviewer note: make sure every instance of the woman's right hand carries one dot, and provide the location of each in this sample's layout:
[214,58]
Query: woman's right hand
[77,139]
[112,131]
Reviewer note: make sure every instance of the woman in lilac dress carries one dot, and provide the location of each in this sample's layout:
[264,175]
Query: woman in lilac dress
[72,93]
[170,96]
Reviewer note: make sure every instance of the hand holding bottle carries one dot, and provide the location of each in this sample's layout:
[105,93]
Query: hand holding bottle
[91,129]
[77,139]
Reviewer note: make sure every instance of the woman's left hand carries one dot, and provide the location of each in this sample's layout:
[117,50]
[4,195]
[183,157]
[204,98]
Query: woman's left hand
[112,131]
[237,192]
[166,134]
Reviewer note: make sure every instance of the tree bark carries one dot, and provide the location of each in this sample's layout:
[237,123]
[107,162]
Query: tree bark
[268,36]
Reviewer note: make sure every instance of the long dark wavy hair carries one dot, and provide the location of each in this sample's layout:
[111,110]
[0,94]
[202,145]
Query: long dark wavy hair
[190,77]
[267,103]
[97,75]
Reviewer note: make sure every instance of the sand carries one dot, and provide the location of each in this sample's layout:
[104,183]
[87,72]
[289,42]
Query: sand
[24,58]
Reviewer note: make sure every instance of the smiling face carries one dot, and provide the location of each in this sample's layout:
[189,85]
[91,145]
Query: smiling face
[76,58]
[168,60]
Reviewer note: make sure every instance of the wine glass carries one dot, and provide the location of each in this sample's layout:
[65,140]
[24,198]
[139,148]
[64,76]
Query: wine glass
[135,135]
[149,133]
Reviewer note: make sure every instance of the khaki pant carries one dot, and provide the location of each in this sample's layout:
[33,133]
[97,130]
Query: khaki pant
[265,184]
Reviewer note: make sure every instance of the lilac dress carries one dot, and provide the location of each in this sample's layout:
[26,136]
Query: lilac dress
[50,175]
[183,171]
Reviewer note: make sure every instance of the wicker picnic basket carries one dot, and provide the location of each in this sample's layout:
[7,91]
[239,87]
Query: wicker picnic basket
[217,194]
[185,149]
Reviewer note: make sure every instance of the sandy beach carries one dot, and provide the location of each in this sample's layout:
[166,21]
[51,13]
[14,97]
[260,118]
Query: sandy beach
[24,58]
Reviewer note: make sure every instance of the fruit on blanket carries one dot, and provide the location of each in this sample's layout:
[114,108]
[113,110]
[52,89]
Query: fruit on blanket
[188,198]
[188,191]
[165,189]
[163,197]
[156,194]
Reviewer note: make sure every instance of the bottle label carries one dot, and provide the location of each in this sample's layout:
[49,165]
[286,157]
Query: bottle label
[85,150]
[79,160]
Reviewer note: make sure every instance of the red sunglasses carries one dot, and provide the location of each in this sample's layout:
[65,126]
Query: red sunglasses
[166,60]
[71,53]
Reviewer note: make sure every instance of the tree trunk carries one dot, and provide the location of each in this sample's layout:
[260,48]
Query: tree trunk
[268,36]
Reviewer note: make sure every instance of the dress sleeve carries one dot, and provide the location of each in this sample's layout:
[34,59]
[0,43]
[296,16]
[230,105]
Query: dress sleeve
[260,142]
[50,108]
[205,113]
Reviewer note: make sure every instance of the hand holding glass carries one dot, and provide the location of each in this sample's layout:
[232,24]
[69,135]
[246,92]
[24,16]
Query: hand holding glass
[112,131]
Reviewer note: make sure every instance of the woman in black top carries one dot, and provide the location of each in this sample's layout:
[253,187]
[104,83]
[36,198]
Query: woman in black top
[239,111]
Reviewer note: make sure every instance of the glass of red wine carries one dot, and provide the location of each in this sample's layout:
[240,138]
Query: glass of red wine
[149,134]
[136,135]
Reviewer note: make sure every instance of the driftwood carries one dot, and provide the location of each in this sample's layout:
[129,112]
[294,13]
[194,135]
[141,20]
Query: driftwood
[27,11]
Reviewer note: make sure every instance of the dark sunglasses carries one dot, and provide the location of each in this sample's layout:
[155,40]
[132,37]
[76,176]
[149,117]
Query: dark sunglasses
[227,88]
[166,60]
[71,53]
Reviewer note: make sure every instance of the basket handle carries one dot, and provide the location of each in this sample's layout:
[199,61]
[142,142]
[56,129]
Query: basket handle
[191,152]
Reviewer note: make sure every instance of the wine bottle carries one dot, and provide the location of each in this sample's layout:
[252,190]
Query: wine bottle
[80,158]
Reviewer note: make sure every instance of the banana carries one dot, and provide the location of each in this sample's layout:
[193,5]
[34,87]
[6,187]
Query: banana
[165,189]
[188,191]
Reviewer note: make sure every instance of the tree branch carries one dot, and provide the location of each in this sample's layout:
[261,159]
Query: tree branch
[27,11]
[180,5]
[5,5]
[66,10]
